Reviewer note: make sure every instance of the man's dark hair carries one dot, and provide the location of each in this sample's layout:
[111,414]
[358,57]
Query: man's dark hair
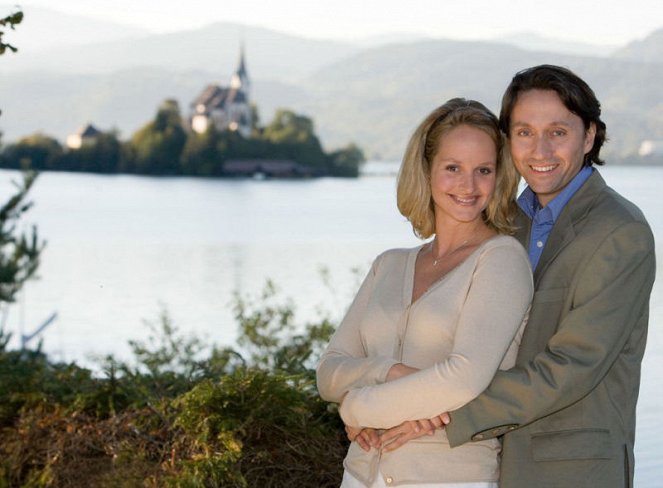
[574,93]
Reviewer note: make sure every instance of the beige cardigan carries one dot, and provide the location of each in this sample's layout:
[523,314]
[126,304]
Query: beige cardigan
[458,333]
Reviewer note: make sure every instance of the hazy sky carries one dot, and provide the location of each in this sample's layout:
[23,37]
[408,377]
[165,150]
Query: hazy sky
[600,22]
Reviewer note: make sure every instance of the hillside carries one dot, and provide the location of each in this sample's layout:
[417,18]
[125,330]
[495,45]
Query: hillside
[124,99]
[649,49]
[378,96]
[373,96]
[272,55]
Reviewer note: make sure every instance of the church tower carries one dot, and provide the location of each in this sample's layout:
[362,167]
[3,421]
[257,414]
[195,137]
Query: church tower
[240,78]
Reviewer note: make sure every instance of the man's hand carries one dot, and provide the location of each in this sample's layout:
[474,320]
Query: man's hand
[395,437]
[366,438]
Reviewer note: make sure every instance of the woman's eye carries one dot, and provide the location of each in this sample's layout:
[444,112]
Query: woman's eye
[452,168]
[485,171]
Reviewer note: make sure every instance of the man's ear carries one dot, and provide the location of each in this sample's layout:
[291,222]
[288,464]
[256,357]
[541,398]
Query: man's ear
[590,134]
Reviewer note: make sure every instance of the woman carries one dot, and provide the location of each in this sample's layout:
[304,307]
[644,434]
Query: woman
[430,325]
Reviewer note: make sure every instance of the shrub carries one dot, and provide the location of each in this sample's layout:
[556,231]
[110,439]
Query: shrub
[180,414]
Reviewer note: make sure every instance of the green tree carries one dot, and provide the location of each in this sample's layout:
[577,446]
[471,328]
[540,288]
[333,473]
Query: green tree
[200,155]
[37,151]
[255,121]
[346,161]
[103,155]
[157,147]
[19,252]
[9,21]
[294,138]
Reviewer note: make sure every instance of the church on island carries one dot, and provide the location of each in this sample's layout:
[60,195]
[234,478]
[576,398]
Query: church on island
[225,107]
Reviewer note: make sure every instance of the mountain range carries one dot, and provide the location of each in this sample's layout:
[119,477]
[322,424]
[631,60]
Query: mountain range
[372,92]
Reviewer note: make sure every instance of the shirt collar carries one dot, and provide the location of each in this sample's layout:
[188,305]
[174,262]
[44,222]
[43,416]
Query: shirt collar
[529,203]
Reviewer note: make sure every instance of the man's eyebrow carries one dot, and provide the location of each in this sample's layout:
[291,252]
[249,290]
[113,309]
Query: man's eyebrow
[525,124]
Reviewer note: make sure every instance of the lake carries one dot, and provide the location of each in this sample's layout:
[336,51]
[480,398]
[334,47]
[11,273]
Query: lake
[122,248]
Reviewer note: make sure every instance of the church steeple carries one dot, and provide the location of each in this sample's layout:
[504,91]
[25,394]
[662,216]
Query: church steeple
[240,78]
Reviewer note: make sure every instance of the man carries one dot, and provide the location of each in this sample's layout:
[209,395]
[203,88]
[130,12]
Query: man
[566,411]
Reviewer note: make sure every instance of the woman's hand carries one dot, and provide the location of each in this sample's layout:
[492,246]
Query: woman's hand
[399,370]
[366,437]
[395,437]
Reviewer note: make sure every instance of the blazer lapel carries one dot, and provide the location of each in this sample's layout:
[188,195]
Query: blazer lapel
[564,230]
[523,228]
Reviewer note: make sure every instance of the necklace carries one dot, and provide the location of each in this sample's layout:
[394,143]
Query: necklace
[437,260]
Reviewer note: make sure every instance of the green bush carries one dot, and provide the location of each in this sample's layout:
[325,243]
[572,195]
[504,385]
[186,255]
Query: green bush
[178,413]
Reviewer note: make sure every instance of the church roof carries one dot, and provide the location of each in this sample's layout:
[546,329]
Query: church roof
[214,96]
[88,131]
[218,97]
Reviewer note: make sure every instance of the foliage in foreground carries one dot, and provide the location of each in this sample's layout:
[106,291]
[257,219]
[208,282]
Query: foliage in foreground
[19,252]
[180,414]
[10,21]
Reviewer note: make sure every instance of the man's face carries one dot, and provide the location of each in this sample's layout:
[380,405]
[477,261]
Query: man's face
[548,142]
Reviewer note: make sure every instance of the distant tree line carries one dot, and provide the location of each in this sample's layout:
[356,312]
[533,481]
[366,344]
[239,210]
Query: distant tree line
[164,147]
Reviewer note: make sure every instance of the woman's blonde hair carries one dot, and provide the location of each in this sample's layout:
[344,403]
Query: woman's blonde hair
[414,193]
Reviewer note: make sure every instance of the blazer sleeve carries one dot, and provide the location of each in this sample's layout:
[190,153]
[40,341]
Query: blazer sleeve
[345,363]
[497,300]
[609,298]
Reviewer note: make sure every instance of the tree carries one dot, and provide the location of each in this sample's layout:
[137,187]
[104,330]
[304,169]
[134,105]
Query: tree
[346,161]
[36,152]
[200,155]
[103,155]
[294,138]
[19,253]
[9,21]
[157,146]
[255,121]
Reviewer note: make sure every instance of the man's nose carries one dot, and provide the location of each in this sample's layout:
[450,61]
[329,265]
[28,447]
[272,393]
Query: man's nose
[542,147]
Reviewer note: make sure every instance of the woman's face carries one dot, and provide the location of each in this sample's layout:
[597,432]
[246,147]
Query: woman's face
[463,174]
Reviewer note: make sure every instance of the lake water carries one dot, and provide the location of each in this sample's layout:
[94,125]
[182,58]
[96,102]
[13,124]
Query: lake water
[122,248]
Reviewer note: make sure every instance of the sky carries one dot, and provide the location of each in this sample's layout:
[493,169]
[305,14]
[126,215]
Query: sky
[607,22]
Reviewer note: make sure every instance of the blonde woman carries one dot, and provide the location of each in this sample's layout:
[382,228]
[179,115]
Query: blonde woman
[430,325]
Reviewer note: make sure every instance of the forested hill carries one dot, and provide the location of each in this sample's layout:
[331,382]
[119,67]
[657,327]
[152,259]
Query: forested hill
[371,95]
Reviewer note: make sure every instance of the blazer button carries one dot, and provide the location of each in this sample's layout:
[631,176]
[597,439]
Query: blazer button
[389,480]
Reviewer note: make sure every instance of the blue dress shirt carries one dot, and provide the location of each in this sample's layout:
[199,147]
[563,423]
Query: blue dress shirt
[543,218]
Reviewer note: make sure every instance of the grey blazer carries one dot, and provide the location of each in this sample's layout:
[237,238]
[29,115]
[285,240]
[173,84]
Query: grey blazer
[567,409]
